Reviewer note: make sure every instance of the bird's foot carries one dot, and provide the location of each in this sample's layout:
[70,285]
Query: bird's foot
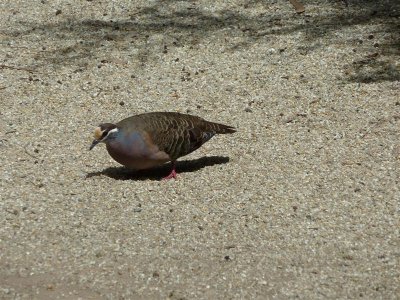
[171,175]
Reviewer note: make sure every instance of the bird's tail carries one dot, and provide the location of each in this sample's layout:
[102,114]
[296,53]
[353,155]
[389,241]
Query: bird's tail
[220,128]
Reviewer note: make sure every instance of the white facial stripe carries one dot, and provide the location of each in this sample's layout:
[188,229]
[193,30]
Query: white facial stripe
[114,130]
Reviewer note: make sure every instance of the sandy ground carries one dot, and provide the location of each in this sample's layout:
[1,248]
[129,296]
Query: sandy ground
[302,202]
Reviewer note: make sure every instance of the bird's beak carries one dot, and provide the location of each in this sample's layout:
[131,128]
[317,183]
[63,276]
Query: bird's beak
[94,143]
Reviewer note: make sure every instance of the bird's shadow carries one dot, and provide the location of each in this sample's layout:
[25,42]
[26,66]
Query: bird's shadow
[123,173]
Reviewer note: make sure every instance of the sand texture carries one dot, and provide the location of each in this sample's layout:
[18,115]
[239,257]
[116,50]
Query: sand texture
[302,202]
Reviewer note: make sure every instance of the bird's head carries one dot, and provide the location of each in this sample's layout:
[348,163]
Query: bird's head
[103,133]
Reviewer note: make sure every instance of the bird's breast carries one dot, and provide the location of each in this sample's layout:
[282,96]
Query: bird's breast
[137,151]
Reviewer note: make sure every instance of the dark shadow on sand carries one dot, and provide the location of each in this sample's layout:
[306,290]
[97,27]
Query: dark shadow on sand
[187,24]
[123,173]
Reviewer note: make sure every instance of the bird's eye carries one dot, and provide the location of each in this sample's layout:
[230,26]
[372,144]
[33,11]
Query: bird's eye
[104,134]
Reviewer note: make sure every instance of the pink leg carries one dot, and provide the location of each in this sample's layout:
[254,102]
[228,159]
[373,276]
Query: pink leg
[172,174]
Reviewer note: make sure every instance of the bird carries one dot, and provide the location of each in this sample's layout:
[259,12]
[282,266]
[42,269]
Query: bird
[150,139]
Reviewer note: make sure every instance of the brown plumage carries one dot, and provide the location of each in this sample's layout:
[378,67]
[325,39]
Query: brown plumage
[150,139]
